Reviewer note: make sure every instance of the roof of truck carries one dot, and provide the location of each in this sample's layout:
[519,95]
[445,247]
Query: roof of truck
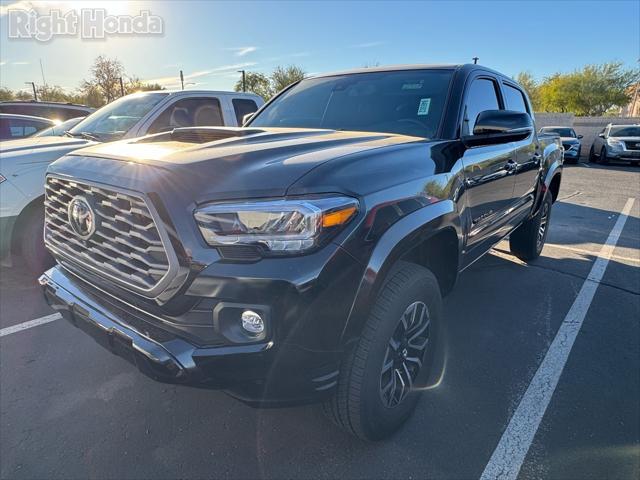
[392,68]
[200,92]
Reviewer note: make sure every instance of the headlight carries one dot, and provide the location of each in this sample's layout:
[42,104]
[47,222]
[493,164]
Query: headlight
[277,226]
[613,143]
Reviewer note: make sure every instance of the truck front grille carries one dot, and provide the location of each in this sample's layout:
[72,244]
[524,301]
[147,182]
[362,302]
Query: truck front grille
[632,145]
[125,244]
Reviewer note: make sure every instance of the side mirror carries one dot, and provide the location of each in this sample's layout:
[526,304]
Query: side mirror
[601,135]
[580,136]
[499,126]
[247,118]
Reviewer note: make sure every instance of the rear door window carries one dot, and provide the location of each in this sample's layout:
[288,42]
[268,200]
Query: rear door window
[189,112]
[242,107]
[514,99]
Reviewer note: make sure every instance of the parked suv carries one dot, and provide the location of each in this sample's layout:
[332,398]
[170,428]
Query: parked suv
[616,142]
[302,258]
[570,142]
[23,162]
[56,111]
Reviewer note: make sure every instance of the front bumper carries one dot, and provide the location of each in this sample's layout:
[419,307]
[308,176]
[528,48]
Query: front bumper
[624,155]
[572,154]
[260,374]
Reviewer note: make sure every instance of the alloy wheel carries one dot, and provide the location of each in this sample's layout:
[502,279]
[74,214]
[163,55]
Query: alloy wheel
[542,228]
[404,354]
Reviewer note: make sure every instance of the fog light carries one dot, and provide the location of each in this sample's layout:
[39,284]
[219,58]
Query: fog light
[252,322]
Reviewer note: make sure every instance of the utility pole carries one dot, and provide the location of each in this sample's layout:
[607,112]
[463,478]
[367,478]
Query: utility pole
[35,93]
[244,80]
[182,79]
[121,87]
[475,60]
[44,82]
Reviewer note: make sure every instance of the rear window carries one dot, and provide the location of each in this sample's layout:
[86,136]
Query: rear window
[242,107]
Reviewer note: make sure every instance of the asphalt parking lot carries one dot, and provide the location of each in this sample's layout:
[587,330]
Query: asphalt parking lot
[69,409]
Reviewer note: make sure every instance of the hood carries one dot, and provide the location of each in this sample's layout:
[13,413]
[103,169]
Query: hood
[570,140]
[236,163]
[39,143]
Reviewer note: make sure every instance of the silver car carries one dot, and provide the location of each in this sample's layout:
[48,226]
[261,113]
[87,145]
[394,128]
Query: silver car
[616,142]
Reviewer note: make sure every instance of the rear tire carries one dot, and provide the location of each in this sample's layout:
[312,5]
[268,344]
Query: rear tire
[527,241]
[376,390]
[31,243]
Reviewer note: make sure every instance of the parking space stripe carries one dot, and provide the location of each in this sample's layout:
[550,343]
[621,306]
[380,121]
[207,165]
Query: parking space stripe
[507,459]
[30,324]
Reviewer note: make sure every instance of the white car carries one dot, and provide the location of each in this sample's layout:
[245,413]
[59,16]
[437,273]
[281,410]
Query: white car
[23,163]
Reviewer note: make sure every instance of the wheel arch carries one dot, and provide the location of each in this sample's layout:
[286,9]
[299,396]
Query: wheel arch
[20,224]
[433,231]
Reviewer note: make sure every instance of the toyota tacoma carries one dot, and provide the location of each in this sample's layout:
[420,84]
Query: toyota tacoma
[302,257]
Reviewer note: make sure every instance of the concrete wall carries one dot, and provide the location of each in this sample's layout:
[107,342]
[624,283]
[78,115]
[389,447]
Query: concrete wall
[554,120]
[589,127]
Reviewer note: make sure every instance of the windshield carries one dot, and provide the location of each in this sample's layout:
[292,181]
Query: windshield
[631,131]
[563,132]
[112,121]
[408,102]
[59,129]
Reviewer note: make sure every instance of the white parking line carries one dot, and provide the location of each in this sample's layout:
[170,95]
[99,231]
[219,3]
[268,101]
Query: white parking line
[509,455]
[30,324]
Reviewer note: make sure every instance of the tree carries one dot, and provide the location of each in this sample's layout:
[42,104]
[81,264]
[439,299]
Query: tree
[593,90]
[282,77]
[6,94]
[257,83]
[53,93]
[105,77]
[134,84]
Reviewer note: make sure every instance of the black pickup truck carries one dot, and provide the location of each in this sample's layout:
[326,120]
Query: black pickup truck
[302,257]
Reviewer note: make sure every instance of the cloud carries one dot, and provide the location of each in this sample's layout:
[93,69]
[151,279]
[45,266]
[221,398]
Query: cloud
[367,45]
[4,9]
[2,63]
[19,63]
[242,51]
[189,77]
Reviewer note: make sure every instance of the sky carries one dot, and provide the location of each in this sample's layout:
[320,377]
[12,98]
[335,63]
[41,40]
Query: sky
[211,40]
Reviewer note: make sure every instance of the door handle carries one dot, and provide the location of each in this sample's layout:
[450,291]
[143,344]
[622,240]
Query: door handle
[511,166]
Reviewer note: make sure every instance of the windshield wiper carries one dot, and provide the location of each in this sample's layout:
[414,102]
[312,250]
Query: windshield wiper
[85,135]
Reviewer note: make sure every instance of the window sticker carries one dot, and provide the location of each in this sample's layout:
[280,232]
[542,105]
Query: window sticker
[423,108]
[412,86]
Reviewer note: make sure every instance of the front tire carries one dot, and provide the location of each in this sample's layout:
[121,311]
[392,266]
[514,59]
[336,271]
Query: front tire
[603,156]
[31,243]
[376,390]
[528,240]
[592,156]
